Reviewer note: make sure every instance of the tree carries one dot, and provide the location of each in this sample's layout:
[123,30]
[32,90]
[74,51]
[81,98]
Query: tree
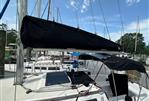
[3,26]
[11,36]
[128,43]
[147,49]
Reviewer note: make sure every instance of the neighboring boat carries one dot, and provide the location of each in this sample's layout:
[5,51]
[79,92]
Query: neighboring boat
[45,64]
[41,65]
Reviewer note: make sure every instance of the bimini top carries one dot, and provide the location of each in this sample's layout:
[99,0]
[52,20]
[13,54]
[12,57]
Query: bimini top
[39,33]
[114,62]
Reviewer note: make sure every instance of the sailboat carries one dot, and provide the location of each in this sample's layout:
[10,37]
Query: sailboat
[65,86]
[58,85]
[72,86]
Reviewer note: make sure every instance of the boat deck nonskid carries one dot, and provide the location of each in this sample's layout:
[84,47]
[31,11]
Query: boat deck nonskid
[37,84]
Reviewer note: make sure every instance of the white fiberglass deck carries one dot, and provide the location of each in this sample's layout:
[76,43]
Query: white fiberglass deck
[60,92]
[37,83]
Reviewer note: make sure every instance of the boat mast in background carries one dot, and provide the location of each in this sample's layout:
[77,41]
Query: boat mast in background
[38,8]
[21,12]
[49,11]
[137,32]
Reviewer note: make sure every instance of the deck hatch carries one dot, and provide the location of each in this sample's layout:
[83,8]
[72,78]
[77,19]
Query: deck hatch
[54,78]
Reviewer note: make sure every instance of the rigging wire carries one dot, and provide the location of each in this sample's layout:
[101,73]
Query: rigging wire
[137,31]
[46,6]
[34,7]
[104,19]
[92,14]
[104,32]
[53,10]
[94,66]
[121,21]
[49,6]
[38,8]
[59,15]
[96,76]
[77,18]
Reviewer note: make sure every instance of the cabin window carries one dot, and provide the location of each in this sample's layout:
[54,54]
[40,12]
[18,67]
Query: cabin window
[68,62]
[53,68]
[37,67]
[43,68]
[92,100]
[28,67]
[54,78]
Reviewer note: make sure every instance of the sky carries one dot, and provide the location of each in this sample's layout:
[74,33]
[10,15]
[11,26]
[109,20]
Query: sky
[102,17]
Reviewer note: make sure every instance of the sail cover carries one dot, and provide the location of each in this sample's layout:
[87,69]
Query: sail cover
[39,33]
[114,62]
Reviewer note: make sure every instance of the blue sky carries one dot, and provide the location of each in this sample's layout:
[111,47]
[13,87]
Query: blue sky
[87,14]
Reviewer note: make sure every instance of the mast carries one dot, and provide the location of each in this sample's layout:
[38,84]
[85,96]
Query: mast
[49,6]
[21,12]
[38,8]
[137,32]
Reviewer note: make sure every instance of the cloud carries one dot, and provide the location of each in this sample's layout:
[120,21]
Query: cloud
[90,18]
[144,28]
[73,3]
[112,22]
[128,28]
[11,26]
[132,2]
[81,5]
[144,25]
[116,36]
[132,27]
[86,4]
[12,4]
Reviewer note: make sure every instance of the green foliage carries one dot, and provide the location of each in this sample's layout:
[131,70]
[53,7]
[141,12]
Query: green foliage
[11,34]
[128,43]
[3,26]
[147,49]
[11,37]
